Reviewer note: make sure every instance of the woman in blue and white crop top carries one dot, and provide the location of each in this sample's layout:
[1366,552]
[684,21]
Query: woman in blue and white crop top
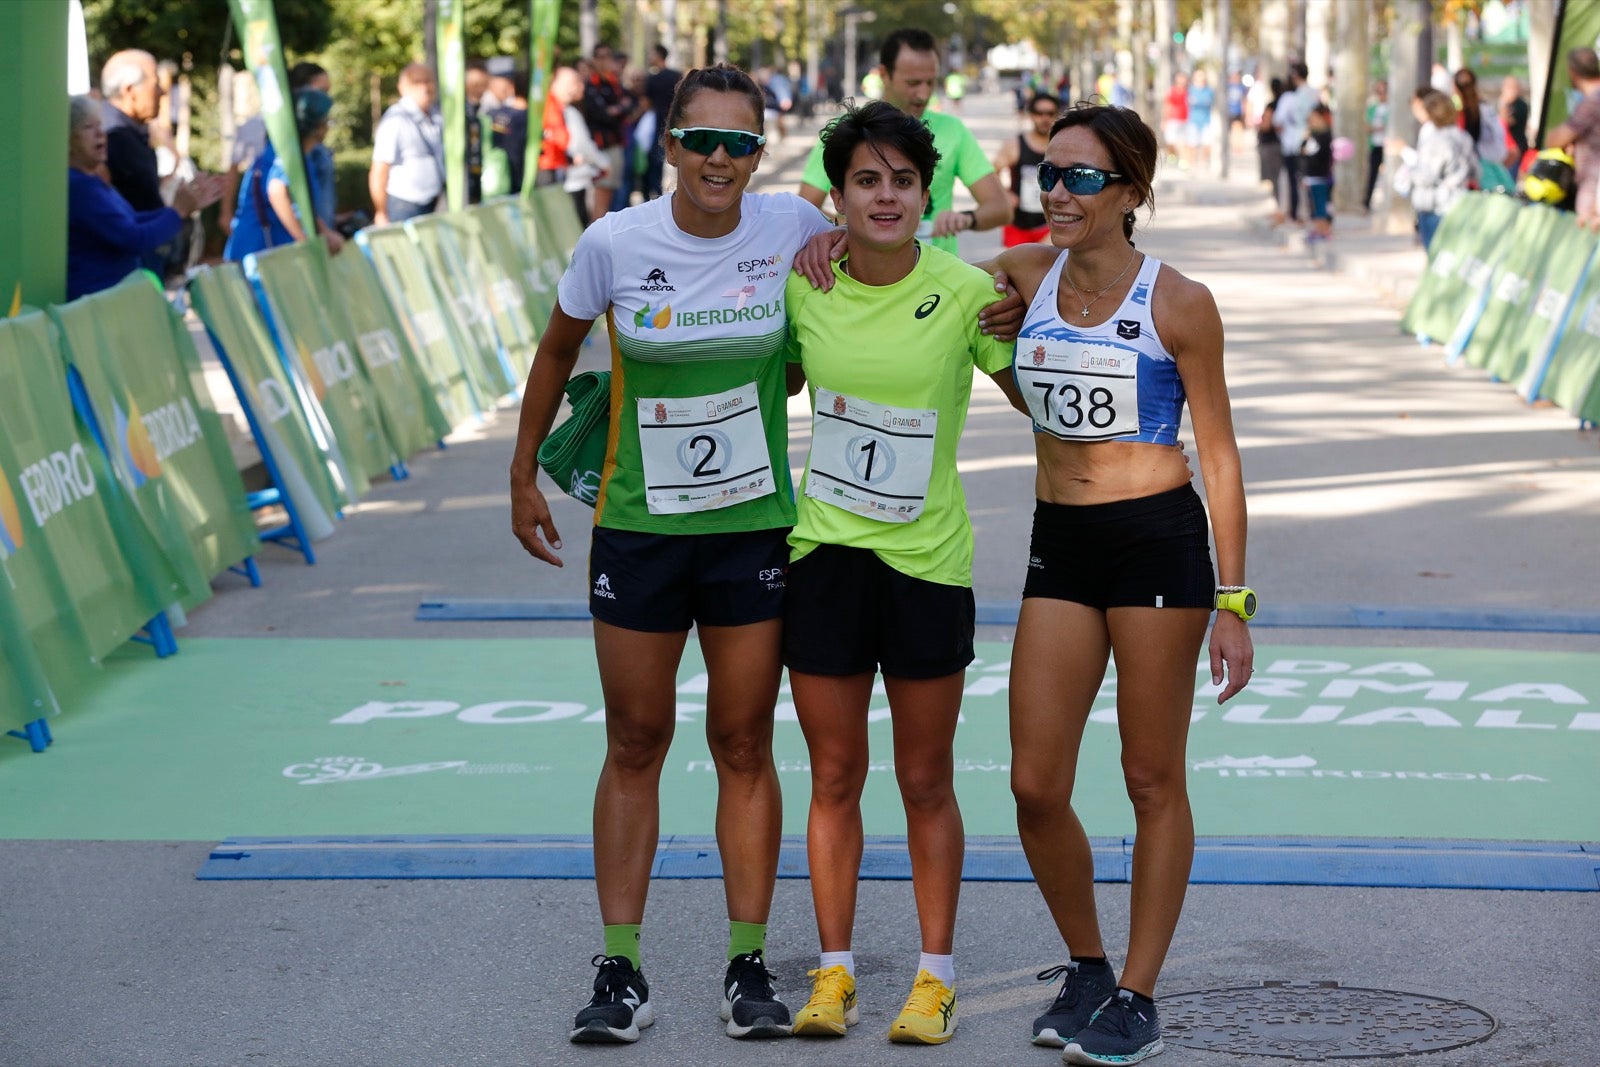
[1114,345]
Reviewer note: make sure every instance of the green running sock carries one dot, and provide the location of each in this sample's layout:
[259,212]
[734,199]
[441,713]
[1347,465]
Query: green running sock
[622,939]
[746,937]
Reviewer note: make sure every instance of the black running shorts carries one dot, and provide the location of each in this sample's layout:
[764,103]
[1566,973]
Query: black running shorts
[663,583]
[1150,552]
[848,612]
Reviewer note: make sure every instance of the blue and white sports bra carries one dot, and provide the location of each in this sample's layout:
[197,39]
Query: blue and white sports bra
[1112,382]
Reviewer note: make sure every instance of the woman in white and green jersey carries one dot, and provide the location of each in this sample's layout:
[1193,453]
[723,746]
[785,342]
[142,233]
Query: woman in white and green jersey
[880,577]
[695,502]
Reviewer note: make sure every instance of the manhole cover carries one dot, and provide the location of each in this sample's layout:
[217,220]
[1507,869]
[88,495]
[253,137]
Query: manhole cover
[1320,1021]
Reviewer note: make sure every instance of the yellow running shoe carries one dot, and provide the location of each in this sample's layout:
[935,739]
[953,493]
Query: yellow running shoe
[929,1017]
[832,1007]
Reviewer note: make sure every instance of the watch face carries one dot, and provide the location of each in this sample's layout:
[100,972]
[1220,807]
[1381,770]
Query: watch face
[1249,604]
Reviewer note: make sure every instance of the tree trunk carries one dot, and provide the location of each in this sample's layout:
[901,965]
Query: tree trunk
[1350,106]
[430,37]
[1318,53]
[226,126]
[1407,70]
[1224,123]
[588,26]
[1274,38]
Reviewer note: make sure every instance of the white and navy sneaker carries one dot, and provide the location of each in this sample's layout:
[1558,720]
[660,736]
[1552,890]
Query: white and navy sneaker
[620,1007]
[1084,989]
[748,1005]
[1120,1032]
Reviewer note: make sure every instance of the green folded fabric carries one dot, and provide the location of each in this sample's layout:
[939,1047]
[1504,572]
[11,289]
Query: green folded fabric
[575,451]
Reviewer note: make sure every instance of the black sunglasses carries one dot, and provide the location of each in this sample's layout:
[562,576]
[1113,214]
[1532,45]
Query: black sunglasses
[1080,181]
[704,140]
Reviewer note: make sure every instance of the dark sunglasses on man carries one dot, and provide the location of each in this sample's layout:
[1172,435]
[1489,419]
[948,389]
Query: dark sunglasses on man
[1080,181]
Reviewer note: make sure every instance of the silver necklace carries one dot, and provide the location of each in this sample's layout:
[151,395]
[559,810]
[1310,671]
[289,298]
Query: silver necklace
[1066,273]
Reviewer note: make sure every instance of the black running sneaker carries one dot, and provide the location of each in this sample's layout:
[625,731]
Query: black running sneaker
[748,1005]
[1120,1032]
[1085,988]
[620,1007]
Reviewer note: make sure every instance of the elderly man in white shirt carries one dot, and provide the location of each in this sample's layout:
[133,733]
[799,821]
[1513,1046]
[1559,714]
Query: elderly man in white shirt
[407,176]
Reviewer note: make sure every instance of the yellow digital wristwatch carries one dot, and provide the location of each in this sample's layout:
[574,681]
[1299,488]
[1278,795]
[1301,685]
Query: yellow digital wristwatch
[1239,599]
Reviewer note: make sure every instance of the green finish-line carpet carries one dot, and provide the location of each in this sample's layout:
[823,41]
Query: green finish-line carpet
[329,738]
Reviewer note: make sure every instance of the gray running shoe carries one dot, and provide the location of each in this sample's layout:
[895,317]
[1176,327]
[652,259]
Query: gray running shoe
[620,1007]
[1085,988]
[1119,1033]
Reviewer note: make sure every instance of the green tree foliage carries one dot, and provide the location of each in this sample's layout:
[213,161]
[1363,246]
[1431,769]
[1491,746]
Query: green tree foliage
[193,33]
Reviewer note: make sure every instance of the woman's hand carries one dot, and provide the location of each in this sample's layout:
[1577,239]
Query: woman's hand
[1002,319]
[530,516]
[815,259]
[197,195]
[1231,647]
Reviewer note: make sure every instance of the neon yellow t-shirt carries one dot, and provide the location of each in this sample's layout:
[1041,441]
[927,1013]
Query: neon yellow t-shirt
[909,345]
[959,157]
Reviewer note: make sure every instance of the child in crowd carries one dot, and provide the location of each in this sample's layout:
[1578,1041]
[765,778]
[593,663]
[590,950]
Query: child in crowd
[1316,170]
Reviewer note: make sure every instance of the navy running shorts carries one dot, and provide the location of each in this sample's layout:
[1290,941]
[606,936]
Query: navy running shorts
[664,583]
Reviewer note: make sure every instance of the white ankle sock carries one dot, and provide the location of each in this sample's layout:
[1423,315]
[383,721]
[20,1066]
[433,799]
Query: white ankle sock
[941,967]
[847,960]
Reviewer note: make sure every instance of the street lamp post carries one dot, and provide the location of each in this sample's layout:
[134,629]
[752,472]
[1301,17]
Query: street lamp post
[851,16]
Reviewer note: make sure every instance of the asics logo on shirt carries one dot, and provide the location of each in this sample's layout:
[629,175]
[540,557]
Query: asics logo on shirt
[925,308]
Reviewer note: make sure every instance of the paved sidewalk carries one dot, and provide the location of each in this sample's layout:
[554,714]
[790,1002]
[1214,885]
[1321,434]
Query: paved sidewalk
[1375,475]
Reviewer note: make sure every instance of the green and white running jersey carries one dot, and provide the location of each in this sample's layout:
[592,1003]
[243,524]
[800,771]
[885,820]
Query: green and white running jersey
[699,433]
[893,365]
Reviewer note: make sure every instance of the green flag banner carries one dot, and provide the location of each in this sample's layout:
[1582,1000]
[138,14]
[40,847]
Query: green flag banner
[295,280]
[1572,380]
[450,37]
[444,357]
[439,239]
[411,417]
[496,247]
[545,18]
[1579,28]
[222,297]
[162,431]
[65,537]
[25,691]
[1522,356]
[257,25]
[1517,279]
[33,155]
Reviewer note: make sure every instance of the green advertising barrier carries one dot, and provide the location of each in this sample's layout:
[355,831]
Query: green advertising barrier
[295,281]
[497,262]
[1572,380]
[25,692]
[451,373]
[166,442]
[223,299]
[411,415]
[439,241]
[1524,357]
[508,245]
[552,226]
[1517,279]
[82,571]
[1459,261]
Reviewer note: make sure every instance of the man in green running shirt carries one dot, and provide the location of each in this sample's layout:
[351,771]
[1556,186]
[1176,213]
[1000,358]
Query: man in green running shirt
[910,67]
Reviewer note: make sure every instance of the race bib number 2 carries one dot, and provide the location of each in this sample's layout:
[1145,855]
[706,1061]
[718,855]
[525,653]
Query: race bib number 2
[702,453]
[871,459]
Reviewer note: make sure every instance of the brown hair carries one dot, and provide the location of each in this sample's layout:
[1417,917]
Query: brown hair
[1441,111]
[721,78]
[1131,144]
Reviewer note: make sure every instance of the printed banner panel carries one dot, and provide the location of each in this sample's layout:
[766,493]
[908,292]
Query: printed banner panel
[437,239]
[223,299]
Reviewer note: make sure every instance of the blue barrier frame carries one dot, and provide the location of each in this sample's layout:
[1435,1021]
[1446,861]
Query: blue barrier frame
[36,733]
[157,633]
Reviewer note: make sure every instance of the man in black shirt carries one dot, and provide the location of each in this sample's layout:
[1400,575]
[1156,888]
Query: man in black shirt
[131,95]
[658,88]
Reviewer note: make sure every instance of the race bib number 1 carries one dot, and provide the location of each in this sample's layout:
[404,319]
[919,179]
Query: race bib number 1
[702,453]
[871,459]
[1079,390]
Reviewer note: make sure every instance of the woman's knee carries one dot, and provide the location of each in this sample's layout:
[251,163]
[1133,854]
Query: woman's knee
[926,788]
[1039,796]
[637,747]
[742,752]
[1153,786]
